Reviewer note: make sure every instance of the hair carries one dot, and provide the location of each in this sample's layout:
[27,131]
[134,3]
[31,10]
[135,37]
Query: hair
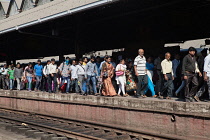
[39,60]
[167,53]
[108,57]
[30,64]
[140,49]
[98,57]
[80,59]
[191,49]
[67,57]
[92,57]
[48,61]
[84,58]
[122,60]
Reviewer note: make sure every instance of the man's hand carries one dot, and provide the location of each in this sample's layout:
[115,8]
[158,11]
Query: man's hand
[52,75]
[72,79]
[206,78]
[200,74]
[185,77]
[172,77]
[166,77]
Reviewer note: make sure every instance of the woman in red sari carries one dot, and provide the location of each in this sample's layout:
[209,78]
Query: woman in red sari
[107,72]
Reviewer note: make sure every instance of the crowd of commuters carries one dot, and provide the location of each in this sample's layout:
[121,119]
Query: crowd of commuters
[187,78]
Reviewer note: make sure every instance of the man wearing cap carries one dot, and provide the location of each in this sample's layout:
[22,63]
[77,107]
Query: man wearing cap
[53,70]
[46,78]
[38,72]
[65,73]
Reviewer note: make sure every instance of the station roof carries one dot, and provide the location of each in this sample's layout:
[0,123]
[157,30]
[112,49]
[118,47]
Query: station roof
[37,14]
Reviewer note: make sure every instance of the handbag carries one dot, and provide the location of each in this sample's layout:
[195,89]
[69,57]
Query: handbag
[105,73]
[119,73]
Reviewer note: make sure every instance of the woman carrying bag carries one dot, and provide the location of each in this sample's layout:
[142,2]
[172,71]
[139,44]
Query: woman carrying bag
[120,77]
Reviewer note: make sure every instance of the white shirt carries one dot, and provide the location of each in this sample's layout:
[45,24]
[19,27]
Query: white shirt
[207,65]
[74,70]
[52,68]
[46,70]
[5,71]
[167,67]
[81,69]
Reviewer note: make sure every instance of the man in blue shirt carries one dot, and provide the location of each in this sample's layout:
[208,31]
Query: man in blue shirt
[38,68]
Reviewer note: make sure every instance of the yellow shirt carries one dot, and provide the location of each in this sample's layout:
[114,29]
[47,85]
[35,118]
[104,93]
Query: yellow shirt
[84,63]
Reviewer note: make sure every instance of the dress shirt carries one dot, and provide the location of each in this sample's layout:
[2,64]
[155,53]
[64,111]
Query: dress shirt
[74,70]
[46,70]
[167,66]
[91,69]
[52,68]
[207,65]
[64,68]
[81,69]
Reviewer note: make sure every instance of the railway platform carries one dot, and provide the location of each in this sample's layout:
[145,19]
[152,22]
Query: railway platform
[170,119]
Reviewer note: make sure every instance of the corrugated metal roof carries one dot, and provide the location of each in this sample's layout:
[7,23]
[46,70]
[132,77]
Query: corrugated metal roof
[41,11]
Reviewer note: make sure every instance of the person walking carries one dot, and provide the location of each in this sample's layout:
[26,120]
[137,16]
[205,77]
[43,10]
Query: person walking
[4,77]
[11,77]
[107,72]
[91,72]
[168,75]
[65,71]
[141,73]
[190,76]
[74,76]
[157,68]
[38,70]
[46,77]
[120,77]
[18,75]
[53,70]
[81,75]
[29,74]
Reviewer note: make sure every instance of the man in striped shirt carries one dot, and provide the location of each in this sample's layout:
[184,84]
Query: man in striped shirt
[141,73]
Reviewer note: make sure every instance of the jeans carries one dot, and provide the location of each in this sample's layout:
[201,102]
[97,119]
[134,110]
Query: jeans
[29,82]
[11,83]
[68,82]
[4,81]
[54,79]
[75,82]
[142,84]
[18,83]
[38,82]
[93,79]
[191,77]
[180,87]
[81,79]
[168,85]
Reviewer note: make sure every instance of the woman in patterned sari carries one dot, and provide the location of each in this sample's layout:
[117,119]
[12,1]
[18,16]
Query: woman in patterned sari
[130,83]
[107,72]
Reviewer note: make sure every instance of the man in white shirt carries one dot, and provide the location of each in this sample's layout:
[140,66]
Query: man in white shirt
[46,77]
[3,78]
[74,76]
[168,75]
[81,75]
[53,70]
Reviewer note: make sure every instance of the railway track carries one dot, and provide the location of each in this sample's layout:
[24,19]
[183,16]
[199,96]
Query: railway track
[55,128]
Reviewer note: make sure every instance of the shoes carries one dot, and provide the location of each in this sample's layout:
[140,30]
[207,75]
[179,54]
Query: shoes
[144,96]
[168,98]
[155,96]
[197,98]
[161,97]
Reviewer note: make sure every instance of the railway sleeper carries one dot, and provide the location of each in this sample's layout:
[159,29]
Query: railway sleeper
[48,136]
[30,132]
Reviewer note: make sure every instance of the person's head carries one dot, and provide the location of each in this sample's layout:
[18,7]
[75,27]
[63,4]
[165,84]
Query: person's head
[73,62]
[149,59]
[48,62]
[192,51]
[67,60]
[108,59]
[12,67]
[177,56]
[204,52]
[85,59]
[80,61]
[18,65]
[5,65]
[92,58]
[141,52]
[53,61]
[30,65]
[105,57]
[122,61]
[130,64]
[98,59]
[38,62]
[167,56]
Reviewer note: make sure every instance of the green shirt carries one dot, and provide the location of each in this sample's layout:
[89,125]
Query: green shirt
[11,74]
